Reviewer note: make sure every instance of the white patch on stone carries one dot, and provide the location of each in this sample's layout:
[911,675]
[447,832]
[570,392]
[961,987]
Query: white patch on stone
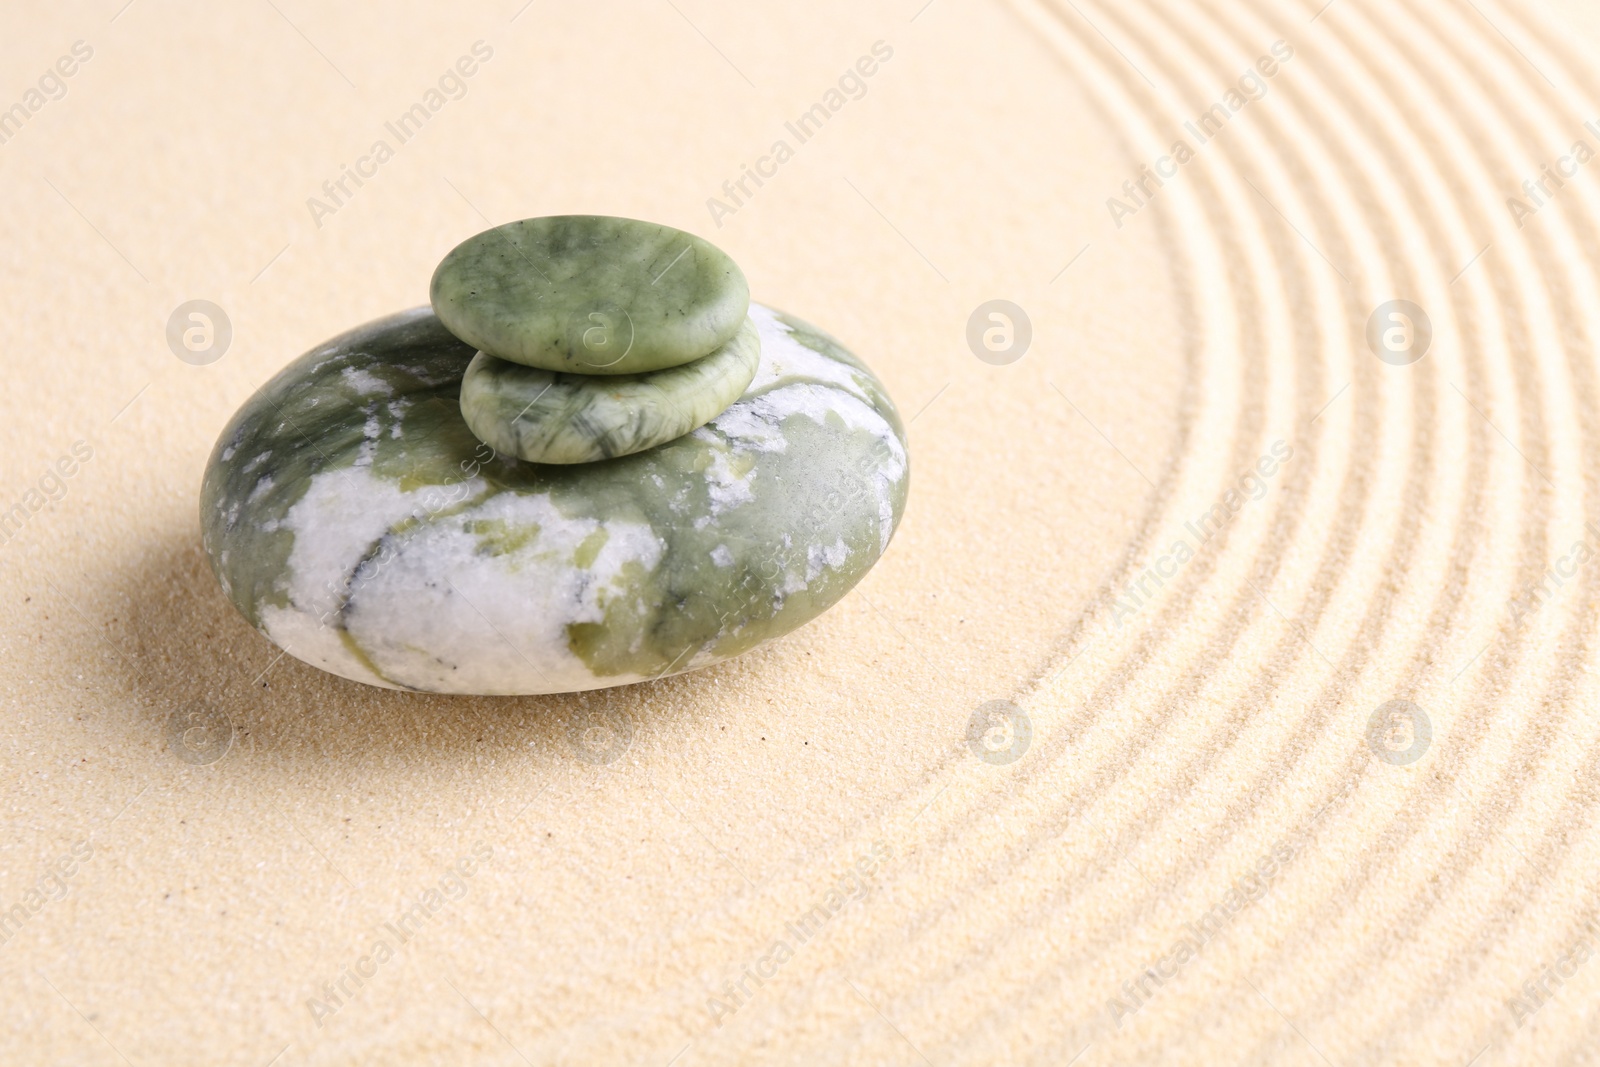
[261,488]
[820,556]
[792,583]
[749,426]
[727,488]
[448,615]
[365,383]
[815,402]
[721,556]
[343,513]
[782,357]
[367,451]
[308,637]
[397,411]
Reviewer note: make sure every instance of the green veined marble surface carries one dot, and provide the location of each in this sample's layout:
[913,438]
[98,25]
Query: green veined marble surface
[354,519]
[590,294]
[546,417]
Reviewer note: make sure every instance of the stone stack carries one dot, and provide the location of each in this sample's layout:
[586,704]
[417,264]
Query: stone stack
[592,462]
[597,337]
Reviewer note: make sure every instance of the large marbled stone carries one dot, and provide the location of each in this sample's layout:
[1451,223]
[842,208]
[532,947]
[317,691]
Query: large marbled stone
[354,519]
[590,294]
[546,417]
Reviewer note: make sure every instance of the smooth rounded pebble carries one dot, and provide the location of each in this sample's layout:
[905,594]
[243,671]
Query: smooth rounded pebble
[546,417]
[590,294]
[353,518]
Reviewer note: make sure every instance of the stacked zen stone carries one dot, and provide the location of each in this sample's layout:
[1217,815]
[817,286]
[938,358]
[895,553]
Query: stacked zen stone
[597,337]
[592,462]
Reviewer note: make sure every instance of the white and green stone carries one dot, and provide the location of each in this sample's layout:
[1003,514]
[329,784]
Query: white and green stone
[546,417]
[590,294]
[351,516]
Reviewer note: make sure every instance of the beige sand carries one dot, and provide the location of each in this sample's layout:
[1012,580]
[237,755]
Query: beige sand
[1184,732]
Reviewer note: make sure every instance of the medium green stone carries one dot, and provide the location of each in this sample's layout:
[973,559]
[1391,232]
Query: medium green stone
[351,515]
[590,294]
[546,417]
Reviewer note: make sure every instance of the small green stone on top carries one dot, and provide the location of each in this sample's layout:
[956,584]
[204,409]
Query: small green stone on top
[590,294]
[546,417]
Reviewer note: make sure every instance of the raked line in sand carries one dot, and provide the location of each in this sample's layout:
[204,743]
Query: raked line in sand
[1250,882]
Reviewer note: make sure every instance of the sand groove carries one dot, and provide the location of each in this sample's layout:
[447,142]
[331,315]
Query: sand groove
[1177,753]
